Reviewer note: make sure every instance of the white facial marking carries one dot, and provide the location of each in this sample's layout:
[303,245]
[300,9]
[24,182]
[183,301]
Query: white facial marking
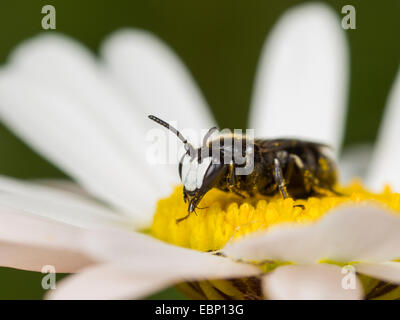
[193,172]
[201,171]
[185,166]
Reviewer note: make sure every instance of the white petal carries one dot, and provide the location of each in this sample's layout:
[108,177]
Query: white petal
[64,185]
[152,73]
[106,282]
[385,166]
[58,62]
[386,271]
[52,124]
[354,162]
[352,233]
[30,243]
[57,205]
[148,256]
[301,82]
[73,114]
[316,282]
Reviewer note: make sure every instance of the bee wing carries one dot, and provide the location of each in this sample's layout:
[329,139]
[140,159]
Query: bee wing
[268,145]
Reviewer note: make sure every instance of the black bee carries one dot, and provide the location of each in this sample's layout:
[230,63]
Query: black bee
[294,168]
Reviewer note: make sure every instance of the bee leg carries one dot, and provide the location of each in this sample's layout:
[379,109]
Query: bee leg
[309,179]
[232,181]
[295,160]
[335,192]
[313,183]
[233,189]
[238,193]
[279,180]
[232,177]
[327,191]
[183,218]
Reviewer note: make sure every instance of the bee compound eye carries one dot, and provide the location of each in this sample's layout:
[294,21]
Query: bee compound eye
[180,170]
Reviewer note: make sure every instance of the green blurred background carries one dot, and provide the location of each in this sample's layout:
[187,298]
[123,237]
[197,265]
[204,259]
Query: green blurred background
[220,42]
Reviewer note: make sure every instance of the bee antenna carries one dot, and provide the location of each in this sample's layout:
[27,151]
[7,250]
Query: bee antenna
[188,147]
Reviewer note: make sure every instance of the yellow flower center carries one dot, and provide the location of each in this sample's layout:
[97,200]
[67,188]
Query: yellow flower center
[225,216]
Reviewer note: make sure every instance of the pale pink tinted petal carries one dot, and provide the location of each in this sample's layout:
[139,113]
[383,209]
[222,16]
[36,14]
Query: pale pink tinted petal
[58,205]
[107,282]
[352,233]
[386,271]
[385,166]
[30,243]
[65,185]
[134,265]
[301,83]
[313,282]
[145,255]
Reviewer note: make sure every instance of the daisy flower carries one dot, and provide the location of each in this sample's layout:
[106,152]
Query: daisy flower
[115,226]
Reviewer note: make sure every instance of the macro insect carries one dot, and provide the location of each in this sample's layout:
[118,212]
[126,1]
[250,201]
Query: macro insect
[294,168]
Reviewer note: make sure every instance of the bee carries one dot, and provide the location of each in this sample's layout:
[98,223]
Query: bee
[291,167]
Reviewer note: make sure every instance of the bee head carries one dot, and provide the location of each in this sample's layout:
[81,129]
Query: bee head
[198,169]
[198,175]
